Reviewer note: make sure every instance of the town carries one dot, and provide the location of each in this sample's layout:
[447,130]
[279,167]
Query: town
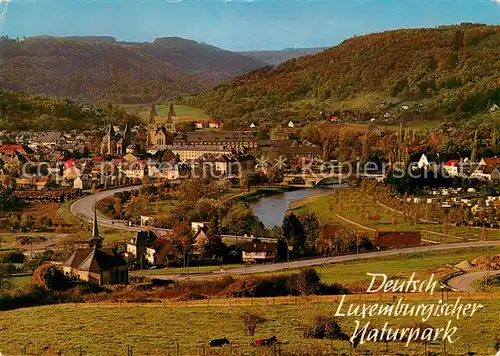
[175,198]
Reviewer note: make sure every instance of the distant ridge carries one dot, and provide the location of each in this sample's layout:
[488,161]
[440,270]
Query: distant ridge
[99,68]
[449,72]
[277,57]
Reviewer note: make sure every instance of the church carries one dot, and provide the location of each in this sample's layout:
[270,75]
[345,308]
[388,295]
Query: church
[161,130]
[96,264]
[115,141]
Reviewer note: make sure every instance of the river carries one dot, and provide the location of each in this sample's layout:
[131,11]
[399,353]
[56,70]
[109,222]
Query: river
[272,209]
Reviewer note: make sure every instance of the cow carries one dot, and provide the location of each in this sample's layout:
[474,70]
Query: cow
[265,342]
[219,342]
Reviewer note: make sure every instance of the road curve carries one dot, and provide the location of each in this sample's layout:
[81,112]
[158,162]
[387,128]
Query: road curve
[324,260]
[85,208]
[463,283]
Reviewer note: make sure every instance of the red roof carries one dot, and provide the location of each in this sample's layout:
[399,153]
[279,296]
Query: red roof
[69,163]
[452,163]
[334,118]
[494,161]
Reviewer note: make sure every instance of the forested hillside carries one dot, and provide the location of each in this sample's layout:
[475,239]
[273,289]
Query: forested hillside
[100,69]
[446,72]
[22,112]
[277,57]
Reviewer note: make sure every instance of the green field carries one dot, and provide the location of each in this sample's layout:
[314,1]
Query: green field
[182,270]
[355,206]
[186,113]
[353,274]
[177,330]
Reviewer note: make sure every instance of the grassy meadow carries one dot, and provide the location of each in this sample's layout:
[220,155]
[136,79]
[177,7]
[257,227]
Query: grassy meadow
[155,329]
[186,113]
[352,208]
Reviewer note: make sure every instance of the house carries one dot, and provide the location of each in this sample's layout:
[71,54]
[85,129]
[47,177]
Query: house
[428,161]
[162,252]
[187,152]
[198,225]
[96,264]
[147,248]
[252,125]
[198,124]
[490,161]
[486,173]
[221,164]
[291,124]
[398,238]
[451,167]
[138,244]
[258,251]
[81,183]
[214,124]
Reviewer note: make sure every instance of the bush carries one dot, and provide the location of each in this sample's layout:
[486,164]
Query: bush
[191,296]
[308,281]
[35,295]
[51,277]
[325,327]
[16,256]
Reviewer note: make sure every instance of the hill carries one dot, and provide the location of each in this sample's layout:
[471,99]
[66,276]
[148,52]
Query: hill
[439,73]
[277,57]
[101,69]
[24,112]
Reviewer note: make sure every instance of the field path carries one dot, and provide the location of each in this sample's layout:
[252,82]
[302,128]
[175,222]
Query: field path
[463,283]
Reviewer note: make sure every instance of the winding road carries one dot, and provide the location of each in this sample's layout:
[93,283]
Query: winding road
[323,261]
[85,208]
[463,283]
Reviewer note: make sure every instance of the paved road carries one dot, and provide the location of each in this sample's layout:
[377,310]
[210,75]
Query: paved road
[463,283]
[325,260]
[85,208]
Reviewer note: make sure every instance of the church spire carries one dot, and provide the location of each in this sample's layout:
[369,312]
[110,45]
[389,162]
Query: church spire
[171,111]
[96,240]
[95,227]
[153,114]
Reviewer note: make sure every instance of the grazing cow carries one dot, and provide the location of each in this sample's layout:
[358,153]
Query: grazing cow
[219,342]
[265,342]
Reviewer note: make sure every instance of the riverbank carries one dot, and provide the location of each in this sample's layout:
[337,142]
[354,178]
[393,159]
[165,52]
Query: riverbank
[271,209]
[262,192]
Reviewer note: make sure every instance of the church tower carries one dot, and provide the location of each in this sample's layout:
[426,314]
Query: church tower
[153,114]
[96,240]
[171,111]
[170,123]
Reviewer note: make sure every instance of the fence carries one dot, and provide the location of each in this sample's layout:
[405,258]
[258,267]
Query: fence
[329,348]
[154,342]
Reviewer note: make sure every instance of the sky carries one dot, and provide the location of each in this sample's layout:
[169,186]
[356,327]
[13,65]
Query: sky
[238,24]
